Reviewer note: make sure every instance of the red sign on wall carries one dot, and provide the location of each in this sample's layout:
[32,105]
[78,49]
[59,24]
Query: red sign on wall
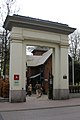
[16,77]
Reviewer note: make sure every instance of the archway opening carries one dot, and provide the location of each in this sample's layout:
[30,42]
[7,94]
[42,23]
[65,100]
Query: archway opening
[39,68]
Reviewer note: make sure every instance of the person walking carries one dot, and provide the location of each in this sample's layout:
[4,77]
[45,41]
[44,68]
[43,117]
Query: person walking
[29,89]
[38,90]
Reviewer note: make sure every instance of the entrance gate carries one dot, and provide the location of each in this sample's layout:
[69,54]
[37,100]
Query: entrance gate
[31,31]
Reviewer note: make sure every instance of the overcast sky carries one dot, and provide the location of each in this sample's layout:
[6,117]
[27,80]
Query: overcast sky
[63,11]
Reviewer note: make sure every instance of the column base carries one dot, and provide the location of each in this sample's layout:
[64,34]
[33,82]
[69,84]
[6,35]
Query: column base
[17,96]
[60,94]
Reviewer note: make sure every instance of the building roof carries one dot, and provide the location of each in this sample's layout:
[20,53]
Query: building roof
[38,24]
[40,48]
[33,60]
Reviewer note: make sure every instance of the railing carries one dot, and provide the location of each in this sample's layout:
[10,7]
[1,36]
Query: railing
[74,88]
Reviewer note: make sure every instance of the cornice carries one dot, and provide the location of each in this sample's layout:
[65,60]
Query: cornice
[37,24]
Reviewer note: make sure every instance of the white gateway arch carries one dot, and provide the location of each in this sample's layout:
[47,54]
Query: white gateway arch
[31,31]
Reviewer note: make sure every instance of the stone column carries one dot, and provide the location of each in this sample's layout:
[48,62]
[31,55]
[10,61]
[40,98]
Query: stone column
[17,71]
[60,73]
[64,83]
[56,73]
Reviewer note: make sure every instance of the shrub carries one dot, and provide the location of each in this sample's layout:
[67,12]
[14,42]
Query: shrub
[4,88]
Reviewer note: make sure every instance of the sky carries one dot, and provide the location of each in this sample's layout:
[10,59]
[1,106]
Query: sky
[62,11]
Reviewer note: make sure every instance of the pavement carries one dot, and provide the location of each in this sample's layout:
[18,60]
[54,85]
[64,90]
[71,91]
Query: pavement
[33,103]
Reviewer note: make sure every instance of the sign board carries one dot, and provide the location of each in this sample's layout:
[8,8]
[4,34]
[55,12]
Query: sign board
[64,77]
[16,77]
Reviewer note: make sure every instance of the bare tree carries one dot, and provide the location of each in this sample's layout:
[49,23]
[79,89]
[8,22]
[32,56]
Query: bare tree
[74,51]
[8,7]
[74,45]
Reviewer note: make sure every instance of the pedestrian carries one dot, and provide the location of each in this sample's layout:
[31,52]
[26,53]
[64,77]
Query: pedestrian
[26,89]
[30,89]
[38,90]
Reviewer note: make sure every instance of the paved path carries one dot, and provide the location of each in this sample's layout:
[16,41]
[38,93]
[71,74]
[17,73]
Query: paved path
[38,103]
[64,113]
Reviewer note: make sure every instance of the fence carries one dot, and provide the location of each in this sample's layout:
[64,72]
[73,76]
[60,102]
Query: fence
[74,89]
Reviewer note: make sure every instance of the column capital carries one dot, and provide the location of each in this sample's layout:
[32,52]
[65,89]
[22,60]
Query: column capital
[62,45]
[16,37]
